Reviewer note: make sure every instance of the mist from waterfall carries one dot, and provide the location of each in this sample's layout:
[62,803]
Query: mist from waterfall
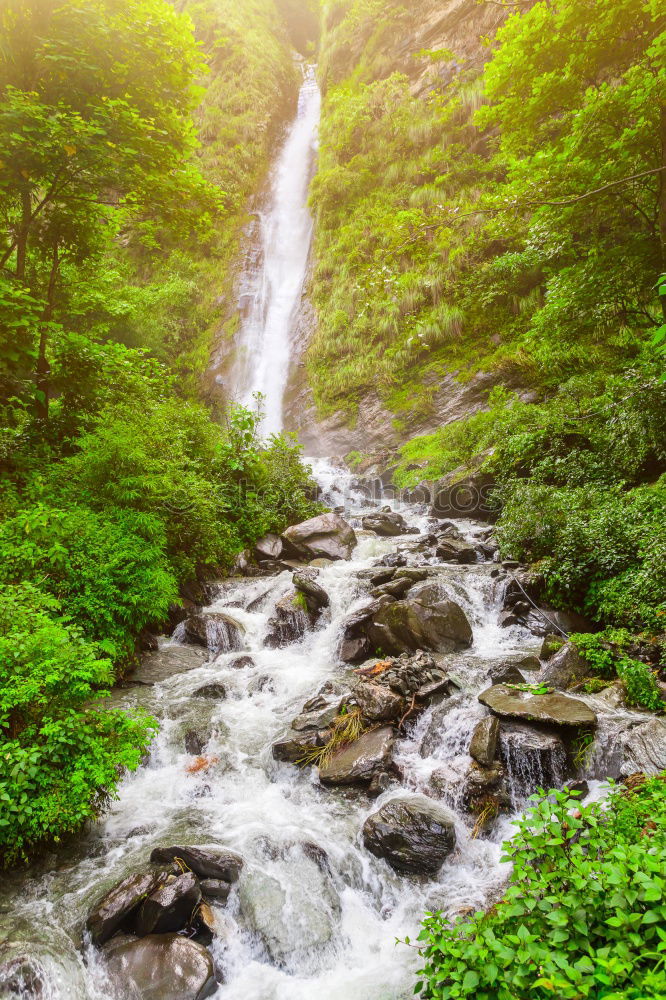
[272,285]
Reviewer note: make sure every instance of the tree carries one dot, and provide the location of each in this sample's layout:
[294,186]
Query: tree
[97,140]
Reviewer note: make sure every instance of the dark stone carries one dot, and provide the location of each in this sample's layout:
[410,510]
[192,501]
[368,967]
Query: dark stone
[395,588]
[465,493]
[293,747]
[565,667]
[483,744]
[161,967]
[424,621]
[386,523]
[242,663]
[216,631]
[213,691]
[289,622]
[383,576]
[551,644]
[456,551]
[113,909]
[361,760]
[378,703]
[412,833]
[327,536]
[170,907]
[355,650]
[206,862]
[215,889]
[315,596]
[194,743]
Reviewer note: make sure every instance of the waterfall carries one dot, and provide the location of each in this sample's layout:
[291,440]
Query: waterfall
[272,284]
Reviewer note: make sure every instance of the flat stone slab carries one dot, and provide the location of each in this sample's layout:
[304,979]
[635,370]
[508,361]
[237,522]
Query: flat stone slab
[167,661]
[555,709]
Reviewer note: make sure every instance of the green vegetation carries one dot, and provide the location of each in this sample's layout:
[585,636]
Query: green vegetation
[608,655]
[116,488]
[584,915]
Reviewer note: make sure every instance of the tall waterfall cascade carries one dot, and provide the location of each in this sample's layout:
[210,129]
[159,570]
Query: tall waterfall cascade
[271,287]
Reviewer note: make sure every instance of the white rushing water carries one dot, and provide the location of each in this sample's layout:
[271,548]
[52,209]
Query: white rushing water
[272,286]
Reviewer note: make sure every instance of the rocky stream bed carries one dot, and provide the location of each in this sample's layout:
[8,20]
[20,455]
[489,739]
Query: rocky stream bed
[347,729]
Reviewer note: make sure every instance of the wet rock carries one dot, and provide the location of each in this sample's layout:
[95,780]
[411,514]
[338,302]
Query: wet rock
[320,716]
[315,596]
[380,783]
[505,673]
[480,783]
[411,573]
[289,622]
[328,536]
[215,890]
[194,743]
[393,559]
[455,550]
[554,709]
[120,902]
[423,621]
[294,917]
[551,644]
[394,588]
[206,862]
[161,967]
[355,650]
[465,493]
[643,748]
[411,833]
[269,547]
[294,746]
[383,576]
[565,667]
[361,760]
[242,663]
[386,523]
[215,692]
[534,757]
[24,976]
[378,702]
[355,645]
[217,632]
[170,907]
[168,661]
[483,744]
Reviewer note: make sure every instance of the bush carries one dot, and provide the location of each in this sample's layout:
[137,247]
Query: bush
[607,656]
[584,916]
[62,753]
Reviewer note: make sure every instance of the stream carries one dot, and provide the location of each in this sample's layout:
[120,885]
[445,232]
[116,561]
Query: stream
[329,927]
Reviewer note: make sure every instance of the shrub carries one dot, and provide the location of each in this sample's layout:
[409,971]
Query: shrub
[62,753]
[584,916]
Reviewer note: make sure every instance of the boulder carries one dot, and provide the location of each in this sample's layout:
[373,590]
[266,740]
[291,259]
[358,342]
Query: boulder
[378,702]
[456,550]
[242,663]
[565,667]
[215,890]
[483,744]
[293,746]
[552,709]
[361,760]
[217,632]
[206,862]
[194,743]
[289,622]
[466,493]
[480,782]
[355,645]
[215,692]
[534,757]
[411,833]
[385,523]
[170,907]
[643,748]
[167,662]
[269,547]
[424,621]
[551,644]
[327,536]
[161,967]
[120,902]
[355,650]
[294,917]
[394,588]
[315,596]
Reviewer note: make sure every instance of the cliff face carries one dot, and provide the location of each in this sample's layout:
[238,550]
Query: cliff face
[386,71]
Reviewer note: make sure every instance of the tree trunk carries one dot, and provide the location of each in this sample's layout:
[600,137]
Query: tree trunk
[22,235]
[662,202]
[43,371]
